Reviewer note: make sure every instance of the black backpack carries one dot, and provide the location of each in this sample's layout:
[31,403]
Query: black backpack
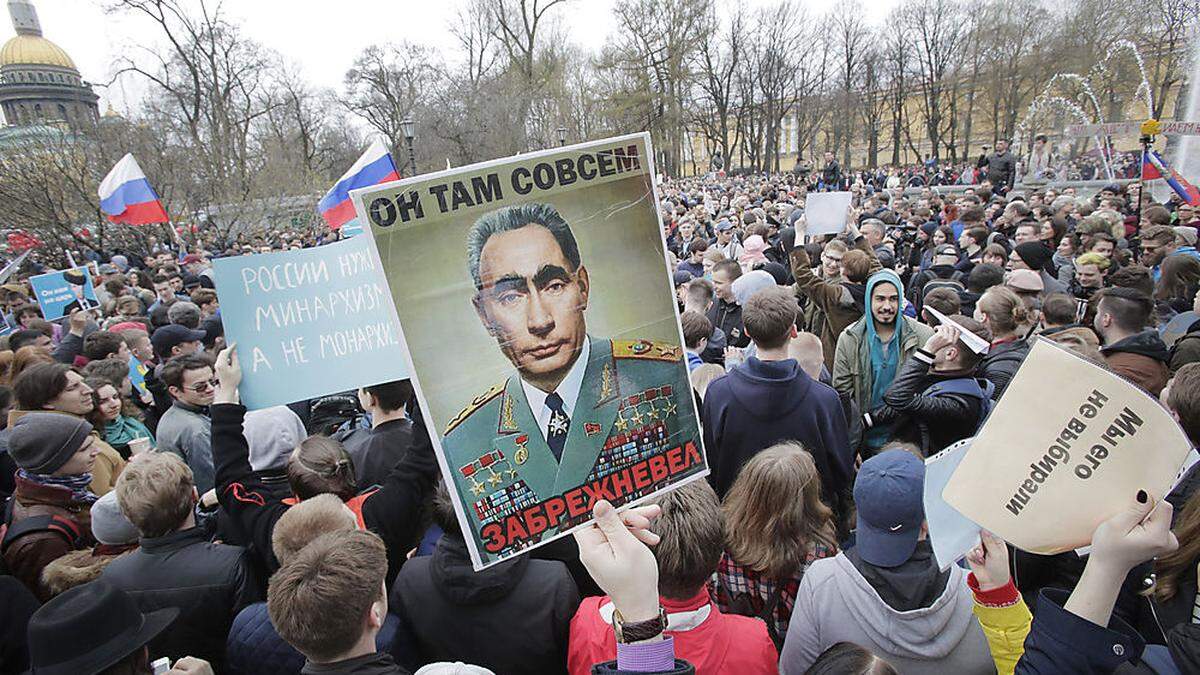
[328,413]
[61,525]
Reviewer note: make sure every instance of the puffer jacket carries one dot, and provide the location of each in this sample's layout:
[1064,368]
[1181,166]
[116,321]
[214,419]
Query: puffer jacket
[1001,363]
[1141,359]
[27,556]
[254,646]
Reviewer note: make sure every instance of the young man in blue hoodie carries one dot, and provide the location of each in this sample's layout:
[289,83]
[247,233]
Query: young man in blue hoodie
[769,399]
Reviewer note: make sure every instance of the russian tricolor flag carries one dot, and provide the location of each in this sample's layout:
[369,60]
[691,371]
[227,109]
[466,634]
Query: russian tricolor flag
[126,195]
[374,167]
[1155,167]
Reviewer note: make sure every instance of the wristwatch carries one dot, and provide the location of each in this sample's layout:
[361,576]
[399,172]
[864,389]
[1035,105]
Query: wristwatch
[639,630]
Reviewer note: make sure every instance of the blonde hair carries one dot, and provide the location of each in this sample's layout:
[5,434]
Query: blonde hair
[1004,309]
[156,493]
[1093,258]
[703,376]
[774,512]
[308,520]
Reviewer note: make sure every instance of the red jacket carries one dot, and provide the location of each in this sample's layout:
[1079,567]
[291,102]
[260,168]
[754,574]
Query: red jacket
[716,643]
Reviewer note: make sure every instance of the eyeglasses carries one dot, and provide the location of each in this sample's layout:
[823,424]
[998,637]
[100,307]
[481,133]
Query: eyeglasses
[201,387]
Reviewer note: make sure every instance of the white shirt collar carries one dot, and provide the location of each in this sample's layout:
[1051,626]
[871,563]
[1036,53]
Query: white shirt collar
[568,390]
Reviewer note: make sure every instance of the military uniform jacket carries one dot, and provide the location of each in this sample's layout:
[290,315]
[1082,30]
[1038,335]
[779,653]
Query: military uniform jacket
[633,429]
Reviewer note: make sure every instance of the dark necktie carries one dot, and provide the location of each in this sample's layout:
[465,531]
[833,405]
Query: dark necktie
[556,431]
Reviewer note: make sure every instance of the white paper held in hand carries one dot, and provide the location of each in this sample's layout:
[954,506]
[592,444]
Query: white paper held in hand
[826,212]
[971,340]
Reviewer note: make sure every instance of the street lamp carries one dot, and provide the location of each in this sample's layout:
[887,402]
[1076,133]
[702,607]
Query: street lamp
[562,136]
[406,128]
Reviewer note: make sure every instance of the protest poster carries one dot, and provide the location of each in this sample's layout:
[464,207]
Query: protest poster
[63,292]
[951,534]
[543,336]
[309,322]
[137,376]
[826,212]
[1050,465]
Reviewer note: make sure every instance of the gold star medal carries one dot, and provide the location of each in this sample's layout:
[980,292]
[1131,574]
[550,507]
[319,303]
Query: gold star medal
[476,487]
[495,479]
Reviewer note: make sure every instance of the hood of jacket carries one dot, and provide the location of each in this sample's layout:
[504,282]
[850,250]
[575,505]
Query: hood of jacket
[927,633]
[1146,343]
[462,585]
[769,388]
[880,277]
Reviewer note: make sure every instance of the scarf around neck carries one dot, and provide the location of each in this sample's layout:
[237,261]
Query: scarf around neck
[78,484]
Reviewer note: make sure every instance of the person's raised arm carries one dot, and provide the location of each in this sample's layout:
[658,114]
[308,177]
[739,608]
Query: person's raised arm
[394,510]
[240,492]
[1001,611]
[1080,634]
[1139,533]
[615,550]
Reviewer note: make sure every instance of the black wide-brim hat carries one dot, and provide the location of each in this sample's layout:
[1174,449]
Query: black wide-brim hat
[90,627]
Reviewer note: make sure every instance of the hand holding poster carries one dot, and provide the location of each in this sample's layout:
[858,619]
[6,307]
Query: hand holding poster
[1048,467]
[309,322]
[60,293]
[542,329]
[826,212]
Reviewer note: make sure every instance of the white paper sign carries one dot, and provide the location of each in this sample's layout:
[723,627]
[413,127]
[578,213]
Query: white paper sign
[951,533]
[826,212]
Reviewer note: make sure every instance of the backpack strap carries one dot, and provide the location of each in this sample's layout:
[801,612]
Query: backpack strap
[61,525]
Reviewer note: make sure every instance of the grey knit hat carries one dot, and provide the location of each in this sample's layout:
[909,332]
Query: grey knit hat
[109,525]
[41,442]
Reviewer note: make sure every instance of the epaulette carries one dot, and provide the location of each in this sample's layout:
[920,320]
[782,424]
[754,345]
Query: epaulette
[476,403]
[645,349]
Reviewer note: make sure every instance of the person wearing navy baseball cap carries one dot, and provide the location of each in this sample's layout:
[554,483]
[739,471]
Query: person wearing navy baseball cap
[888,493]
[886,593]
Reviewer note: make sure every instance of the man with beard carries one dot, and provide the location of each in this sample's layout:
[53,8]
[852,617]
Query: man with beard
[871,350]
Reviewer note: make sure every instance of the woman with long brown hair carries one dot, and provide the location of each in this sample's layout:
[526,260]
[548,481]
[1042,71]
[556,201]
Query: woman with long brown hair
[775,526]
[1176,287]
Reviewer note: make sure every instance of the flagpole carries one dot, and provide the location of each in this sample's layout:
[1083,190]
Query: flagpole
[1149,130]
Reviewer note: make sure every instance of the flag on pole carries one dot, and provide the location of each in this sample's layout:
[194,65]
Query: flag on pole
[126,195]
[1155,167]
[374,167]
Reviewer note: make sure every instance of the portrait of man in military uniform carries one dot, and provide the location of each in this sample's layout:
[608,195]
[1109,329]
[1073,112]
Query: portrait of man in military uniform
[582,417]
[77,282]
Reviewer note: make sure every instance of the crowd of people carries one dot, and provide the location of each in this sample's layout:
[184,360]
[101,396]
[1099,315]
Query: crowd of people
[149,516]
[1044,162]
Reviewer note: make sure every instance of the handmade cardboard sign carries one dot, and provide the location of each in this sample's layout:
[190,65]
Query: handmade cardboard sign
[309,322]
[538,310]
[1065,448]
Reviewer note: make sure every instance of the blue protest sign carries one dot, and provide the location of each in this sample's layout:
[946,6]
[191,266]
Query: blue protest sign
[60,293]
[309,322]
[137,375]
[352,228]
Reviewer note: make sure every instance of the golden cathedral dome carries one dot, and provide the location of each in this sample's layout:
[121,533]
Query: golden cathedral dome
[34,50]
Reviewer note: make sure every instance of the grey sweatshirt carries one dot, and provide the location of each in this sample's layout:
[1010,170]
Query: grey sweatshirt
[835,603]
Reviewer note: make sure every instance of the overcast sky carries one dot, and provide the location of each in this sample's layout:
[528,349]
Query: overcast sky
[315,35]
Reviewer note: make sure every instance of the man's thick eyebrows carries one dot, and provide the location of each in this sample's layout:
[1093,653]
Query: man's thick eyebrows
[548,273]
